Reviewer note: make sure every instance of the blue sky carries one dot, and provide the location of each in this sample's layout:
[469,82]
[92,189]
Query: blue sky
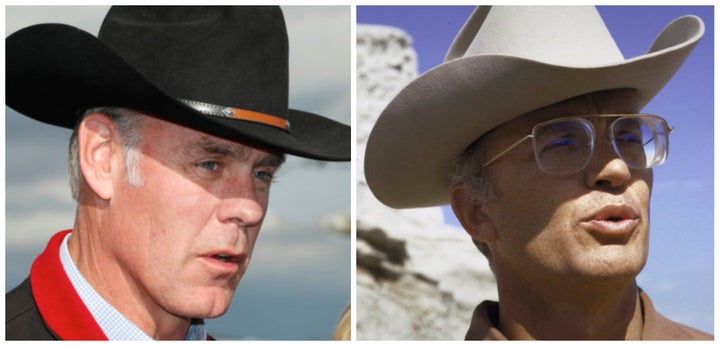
[300,275]
[679,275]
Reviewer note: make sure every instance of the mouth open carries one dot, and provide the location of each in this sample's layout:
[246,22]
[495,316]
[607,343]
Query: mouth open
[613,222]
[225,258]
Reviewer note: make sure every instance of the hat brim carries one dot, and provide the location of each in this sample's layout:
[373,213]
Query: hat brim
[55,71]
[434,118]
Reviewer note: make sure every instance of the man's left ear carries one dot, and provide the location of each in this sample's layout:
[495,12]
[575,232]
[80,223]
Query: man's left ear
[471,215]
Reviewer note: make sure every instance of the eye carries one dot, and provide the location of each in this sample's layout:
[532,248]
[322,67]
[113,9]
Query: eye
[265,175]
[629,137]
[211,166]
[561,142]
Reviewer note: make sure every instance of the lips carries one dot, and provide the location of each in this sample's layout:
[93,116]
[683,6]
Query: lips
[613,222]
[224,262]
[227,258]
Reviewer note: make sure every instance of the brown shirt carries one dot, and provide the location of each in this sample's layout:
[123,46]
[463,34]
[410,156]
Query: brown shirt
[656,326]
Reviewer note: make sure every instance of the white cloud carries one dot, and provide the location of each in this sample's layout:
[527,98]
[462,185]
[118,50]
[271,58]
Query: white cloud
[36,209]
[47,190]
[88,18]
[27,229]
[316,54]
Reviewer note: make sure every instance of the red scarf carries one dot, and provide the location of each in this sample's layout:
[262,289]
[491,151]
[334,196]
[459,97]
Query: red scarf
[60,306]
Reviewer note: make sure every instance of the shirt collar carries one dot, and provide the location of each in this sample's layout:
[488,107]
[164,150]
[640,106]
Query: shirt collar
[485,320]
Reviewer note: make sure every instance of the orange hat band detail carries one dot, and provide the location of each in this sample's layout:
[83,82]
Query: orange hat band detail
[240,114]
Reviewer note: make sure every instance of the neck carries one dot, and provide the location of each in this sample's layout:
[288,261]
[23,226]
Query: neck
[583,311]
[114,283]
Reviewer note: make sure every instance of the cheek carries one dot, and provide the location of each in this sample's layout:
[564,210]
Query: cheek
[528,198]
[166,212]
[170,195]
[533,211]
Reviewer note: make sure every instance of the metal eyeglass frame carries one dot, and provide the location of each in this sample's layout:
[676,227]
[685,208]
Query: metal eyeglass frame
[668,129]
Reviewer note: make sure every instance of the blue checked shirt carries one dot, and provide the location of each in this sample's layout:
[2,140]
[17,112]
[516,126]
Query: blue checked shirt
[112,322]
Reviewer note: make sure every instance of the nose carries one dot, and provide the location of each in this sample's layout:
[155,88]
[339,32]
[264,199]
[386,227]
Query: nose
[242,203]
[606,170]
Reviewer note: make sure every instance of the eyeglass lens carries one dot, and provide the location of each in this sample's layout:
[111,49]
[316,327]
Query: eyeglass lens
[566,146]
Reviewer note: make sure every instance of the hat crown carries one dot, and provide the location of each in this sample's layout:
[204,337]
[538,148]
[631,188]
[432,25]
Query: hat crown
[223,55]
[569,35]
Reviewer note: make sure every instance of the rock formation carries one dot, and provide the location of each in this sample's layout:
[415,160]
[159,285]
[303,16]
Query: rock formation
[417,278]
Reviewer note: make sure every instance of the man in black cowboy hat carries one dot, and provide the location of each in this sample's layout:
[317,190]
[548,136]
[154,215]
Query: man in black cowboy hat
[532,132]
[180,119]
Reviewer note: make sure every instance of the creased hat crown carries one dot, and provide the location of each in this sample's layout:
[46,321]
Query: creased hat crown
[569,36]
[229,56]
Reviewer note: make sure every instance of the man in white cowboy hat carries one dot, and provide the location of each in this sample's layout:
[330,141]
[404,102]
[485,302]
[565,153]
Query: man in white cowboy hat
[180,120]
[531,130]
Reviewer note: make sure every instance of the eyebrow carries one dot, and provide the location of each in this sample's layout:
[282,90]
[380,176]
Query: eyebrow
[242,152]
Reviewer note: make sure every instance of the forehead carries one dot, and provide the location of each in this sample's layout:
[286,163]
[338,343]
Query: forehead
[161,134]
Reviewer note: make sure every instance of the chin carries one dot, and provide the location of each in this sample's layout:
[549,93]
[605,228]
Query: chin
[207,311]
[215,314]
[208,303]
[613,262]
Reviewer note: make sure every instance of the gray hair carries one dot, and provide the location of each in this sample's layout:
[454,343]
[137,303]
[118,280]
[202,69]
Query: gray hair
[467,170]
[128,124]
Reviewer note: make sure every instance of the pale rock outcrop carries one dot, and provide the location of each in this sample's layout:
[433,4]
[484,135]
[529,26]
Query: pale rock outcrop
[417,278]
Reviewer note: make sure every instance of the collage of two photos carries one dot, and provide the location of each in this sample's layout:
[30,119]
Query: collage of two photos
[359,173]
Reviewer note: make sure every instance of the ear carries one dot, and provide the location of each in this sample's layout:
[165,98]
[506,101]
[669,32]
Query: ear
[97,149]
[471,215]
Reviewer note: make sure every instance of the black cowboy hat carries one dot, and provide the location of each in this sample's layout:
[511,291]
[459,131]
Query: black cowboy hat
[219,70]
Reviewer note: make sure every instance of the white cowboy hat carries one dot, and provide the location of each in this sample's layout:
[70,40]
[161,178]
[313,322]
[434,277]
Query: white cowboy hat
[504,62]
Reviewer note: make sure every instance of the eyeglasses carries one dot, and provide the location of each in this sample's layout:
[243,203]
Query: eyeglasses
[566,145]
